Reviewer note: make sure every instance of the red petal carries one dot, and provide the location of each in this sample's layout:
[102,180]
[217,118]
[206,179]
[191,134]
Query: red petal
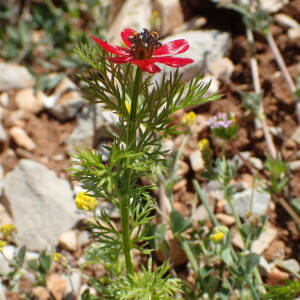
[125,34]
[110,48]
[147,66]
[172,48]
[172,61]
[121,59]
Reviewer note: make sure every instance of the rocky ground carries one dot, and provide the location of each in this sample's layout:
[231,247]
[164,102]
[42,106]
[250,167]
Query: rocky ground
[39,130]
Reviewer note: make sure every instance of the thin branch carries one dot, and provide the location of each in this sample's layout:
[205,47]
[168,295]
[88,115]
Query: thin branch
[283,68]
[257,89]
[281,64]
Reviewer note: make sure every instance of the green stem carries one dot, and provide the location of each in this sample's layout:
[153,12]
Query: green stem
[133,107]
[259,280]
[203,199]
[125,232]
[230,287]
[190,255]
[169,187]
[253,289]
[235,214]
[125,201]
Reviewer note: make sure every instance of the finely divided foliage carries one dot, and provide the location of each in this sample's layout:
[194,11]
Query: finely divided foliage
[135,152]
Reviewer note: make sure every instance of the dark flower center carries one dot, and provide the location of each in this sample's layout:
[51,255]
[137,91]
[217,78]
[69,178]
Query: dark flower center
[144,43]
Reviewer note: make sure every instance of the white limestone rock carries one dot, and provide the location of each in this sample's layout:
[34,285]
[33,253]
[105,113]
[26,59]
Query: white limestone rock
[264,240]
[242,203]
[14,77]
[67,106]
[206,46]
[170,15]
[134,14]
[41,204]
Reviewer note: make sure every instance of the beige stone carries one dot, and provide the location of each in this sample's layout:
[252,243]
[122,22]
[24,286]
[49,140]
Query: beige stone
[170,15]
[222,69]
[40,293]
[181,184]
[287,21]
[133,14]
[69,240]
[277,276]
[65,85]
[183,168]
[226,220]
[294,33]
[56,285]
[4,216]
[13,76]
[237,240]
[29,101]
[264,240]
[21,138]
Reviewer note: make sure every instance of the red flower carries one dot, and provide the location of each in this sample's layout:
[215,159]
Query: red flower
[144,50]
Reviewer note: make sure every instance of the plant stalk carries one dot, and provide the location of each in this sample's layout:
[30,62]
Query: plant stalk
[190,255]
[205,203]
[133,108]
[283,68]
[257,89]
[280,62]
[125,201]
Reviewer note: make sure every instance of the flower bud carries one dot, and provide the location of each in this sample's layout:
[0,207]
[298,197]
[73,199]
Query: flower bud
[223,126]
[2,245]
[86,202]
[189,118]
[7,230]
[218,234]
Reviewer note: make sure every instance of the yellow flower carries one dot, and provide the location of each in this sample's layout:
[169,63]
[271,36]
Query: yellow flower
[217,237]
[2,245]
[218,234]
[86,202]
[57,257]
[233,119]
[128,107]
[189,118]
[204,145]
[7,230]
[205,149]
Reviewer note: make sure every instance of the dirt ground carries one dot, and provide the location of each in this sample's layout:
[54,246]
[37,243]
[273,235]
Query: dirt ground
[49,134]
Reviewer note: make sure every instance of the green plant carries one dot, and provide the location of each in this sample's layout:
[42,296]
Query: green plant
[287,292]
[41,267]
[144,108]
[42,34]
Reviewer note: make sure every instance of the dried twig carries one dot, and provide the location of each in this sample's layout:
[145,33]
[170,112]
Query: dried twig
[281,64]
[268,137]
[283,68]
[257,89]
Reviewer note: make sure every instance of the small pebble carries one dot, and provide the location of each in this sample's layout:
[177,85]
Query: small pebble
[69,240]
[226,220]
[181,184]
[264,240]
[183,168]
[287,21]
[294,165]
[196,161]
[222,69]
[291,265]
[294,33]
[21,138]
[276,276]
